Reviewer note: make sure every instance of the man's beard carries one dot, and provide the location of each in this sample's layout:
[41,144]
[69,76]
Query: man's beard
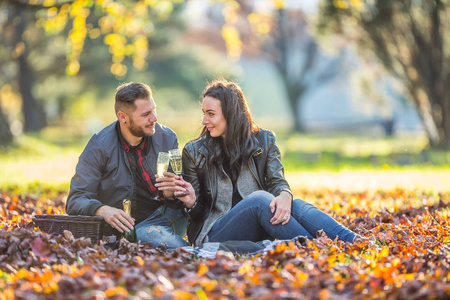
[138,131]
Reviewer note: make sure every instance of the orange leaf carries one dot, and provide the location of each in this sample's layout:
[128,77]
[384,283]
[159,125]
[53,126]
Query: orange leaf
[118,290]
[202,269]
[178,294]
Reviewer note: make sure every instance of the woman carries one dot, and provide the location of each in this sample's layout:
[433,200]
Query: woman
[235,184]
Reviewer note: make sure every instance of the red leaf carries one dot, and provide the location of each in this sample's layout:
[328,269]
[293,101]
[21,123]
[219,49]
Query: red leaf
[40,249]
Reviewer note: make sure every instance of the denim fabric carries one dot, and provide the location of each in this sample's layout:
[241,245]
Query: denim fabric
[250,220]
[165,228]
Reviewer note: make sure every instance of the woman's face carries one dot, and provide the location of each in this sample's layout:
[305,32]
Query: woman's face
[213,117]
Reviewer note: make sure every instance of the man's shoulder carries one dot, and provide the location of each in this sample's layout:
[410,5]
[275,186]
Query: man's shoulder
[164,129]
[164,133]
[104,138]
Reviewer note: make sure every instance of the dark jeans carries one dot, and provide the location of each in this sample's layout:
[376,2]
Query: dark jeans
[250,220]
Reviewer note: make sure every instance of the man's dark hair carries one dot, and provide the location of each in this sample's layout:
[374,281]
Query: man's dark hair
[128,93]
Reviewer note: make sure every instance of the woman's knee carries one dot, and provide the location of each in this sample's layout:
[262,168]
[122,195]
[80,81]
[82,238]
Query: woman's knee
[257,202]
[260,197]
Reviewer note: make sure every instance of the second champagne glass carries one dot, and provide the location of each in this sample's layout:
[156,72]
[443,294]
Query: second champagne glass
[175,162]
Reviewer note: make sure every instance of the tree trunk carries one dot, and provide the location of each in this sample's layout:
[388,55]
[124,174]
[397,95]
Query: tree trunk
[6,136]
[33,114]
[445,113]
[294,95]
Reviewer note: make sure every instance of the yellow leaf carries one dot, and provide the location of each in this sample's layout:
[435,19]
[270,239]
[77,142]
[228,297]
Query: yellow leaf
[302,276]
[37,288]
[383,253]
[340,4]
[245,268]
[279,4]
[22,273]
[140,261]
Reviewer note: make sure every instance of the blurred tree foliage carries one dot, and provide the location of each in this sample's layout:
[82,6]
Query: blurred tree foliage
[52,51]
[411,40]
[281,34]
[284,38]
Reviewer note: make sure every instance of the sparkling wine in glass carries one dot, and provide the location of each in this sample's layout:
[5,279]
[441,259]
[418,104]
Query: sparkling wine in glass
[175,162]
[162,164]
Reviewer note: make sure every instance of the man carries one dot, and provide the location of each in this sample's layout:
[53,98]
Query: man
[119,163]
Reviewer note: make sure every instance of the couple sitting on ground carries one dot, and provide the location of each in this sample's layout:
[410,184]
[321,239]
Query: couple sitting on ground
[232,187]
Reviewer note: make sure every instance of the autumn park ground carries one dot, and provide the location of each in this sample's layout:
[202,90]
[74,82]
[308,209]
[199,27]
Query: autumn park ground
[404,208]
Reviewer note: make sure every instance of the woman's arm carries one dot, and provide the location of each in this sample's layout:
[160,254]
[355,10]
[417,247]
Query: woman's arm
[277,184]
[275,181]
[194,205]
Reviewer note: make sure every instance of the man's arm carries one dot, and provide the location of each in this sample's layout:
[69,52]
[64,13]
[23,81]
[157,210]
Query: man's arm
[83,187]
[83,190]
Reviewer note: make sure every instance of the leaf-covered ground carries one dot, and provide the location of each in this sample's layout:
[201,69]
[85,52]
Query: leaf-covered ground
[409,260]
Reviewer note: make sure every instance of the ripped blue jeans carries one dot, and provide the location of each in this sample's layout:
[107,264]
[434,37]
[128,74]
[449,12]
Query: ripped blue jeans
[165,228]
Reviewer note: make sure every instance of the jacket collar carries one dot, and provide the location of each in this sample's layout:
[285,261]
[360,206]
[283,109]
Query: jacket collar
[143,145]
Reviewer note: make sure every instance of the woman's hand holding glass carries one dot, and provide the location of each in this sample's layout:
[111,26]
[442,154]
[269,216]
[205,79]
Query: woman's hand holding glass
[176,164]
[185,192]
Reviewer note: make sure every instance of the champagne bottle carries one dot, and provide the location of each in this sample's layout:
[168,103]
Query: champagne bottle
[130,235]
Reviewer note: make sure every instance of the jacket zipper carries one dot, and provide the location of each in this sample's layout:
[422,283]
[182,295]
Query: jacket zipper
[255,153]
[131,172]
[212,203]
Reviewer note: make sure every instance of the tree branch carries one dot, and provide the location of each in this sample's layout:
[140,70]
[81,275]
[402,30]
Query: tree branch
[25,4]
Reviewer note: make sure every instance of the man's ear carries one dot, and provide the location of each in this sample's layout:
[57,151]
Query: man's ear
[122,117]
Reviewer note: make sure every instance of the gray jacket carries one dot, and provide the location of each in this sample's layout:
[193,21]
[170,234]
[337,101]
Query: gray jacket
[214,195]
[103,174]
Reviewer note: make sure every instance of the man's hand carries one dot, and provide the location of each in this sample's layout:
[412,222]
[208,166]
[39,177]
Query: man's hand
[282,204]
[115,217]
[167,184]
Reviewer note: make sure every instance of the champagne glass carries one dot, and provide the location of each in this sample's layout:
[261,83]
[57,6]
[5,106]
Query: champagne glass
[175,162]
[162,163]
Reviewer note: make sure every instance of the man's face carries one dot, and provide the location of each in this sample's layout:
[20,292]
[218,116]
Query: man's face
[143,118]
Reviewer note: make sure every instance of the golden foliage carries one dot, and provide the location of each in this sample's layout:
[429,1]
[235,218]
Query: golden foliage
[125,25]
[410,258]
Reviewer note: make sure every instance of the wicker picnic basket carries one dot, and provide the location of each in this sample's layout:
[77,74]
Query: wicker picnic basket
[92,227]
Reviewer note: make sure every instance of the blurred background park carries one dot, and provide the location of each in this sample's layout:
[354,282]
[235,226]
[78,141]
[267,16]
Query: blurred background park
[358,92]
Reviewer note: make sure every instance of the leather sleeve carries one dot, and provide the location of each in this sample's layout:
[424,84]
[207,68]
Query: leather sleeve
[275,181]
[190,174]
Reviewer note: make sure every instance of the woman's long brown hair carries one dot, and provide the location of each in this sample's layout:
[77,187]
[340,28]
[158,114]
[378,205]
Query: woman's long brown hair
[237,145]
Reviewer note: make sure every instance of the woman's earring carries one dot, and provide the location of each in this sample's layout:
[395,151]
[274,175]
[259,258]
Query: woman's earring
[125,122]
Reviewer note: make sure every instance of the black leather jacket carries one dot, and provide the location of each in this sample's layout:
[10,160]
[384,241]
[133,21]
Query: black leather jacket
[265,165]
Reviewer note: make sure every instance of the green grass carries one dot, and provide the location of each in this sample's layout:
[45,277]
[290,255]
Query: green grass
[335,153]
[49,158]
